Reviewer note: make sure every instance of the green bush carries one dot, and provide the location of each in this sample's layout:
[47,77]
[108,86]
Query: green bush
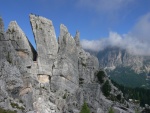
[85,108]
[111,110]
[106,88]
[14,105]
[65,96]
[8,57]
[100,75]
[6,111]
[118,97]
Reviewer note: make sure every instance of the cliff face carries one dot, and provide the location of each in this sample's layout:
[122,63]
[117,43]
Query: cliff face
[124,67]
[58,78]
[114,57]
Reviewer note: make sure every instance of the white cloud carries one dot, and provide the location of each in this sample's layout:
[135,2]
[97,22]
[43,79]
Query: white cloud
[142,29]
[137,41]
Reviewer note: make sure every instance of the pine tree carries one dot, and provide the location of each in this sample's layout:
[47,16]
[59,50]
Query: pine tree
[106,88]
[111,110]
[85,108]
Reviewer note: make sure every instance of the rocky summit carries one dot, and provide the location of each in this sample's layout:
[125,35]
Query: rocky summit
[57,77]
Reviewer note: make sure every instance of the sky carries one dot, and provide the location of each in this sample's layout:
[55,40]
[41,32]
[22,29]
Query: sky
[102,23]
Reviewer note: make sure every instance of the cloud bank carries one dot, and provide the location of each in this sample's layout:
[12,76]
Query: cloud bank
[136,41]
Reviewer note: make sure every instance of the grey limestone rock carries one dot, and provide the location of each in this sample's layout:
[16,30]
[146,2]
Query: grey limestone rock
[20,43]
[77,39]
[46,43]
[88,65]
[63,32]
[65,68]
[1,25]
[13,73]
[58,81]
[1,29]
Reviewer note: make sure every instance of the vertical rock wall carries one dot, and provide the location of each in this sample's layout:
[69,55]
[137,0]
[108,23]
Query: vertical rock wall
[46,43]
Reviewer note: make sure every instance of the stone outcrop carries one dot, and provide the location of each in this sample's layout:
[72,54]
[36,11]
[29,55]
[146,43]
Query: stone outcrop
[1,26]
[1,29]
[14,78]
[46,43]
[21,44]
[65,68]
[77,39]
[56,79]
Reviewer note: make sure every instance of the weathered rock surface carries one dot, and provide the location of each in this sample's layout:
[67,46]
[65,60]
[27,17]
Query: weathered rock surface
[21,44]
[59,81]
[1,27]
[46,43]
[65,68]
[77,39]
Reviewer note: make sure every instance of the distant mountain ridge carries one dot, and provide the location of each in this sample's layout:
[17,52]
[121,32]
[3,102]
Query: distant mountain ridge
[118,63]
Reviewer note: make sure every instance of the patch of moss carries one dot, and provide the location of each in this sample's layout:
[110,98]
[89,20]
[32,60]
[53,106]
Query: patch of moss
[14,105]
[13,30]
[20,101]
[111,110]
[83,64]
[65,96]
[9,59]
[81,81]
[6,111]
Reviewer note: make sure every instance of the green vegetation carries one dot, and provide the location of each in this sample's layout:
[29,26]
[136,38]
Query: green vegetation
[137,111]
[36,26]
[14,105]
[65,96]
[106,88]
[81,81]
[141,94]
[9,59]
[111,110]
[6,111]
[118,97]
[85,108]
[100,75]
[126,76]
[83,64]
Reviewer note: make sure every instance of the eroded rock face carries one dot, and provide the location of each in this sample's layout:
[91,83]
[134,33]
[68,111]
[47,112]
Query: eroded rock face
[20,43]
[1,28]
[61,79]
[1,25]
[46,43]
[65,68]
[77,39]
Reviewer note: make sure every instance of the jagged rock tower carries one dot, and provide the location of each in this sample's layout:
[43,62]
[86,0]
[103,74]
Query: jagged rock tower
[58,78]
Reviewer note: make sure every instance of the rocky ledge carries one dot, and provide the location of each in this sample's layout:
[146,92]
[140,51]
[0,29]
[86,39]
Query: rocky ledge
[57,77]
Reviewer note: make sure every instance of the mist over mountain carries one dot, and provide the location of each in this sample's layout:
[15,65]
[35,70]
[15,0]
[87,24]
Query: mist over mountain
[136,41]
